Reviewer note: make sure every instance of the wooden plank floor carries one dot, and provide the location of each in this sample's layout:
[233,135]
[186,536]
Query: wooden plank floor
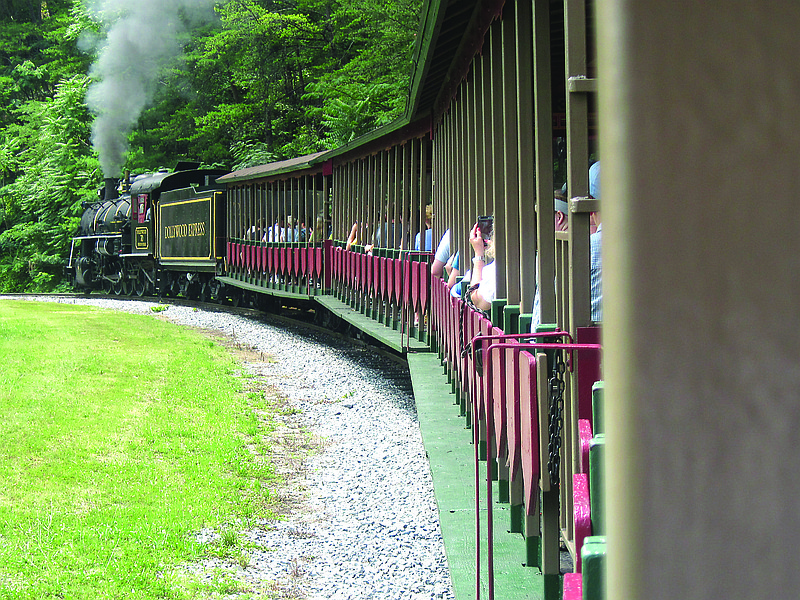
[451,456]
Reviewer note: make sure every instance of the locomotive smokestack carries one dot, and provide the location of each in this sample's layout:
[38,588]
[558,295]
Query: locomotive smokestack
[111,189]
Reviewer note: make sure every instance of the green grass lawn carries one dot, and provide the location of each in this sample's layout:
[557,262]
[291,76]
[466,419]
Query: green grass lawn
[120,436]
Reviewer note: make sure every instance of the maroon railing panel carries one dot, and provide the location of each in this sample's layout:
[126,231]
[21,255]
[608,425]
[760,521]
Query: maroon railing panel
[415,291]
[512,411]
[376,275]
[398,280]
[425,284]
[325,262]
[390,280]
[529,431]
[483,327]
[316,254]
[384,277]
[573,586]
[459,334]
[581,513]
[585,441]
[365,273]
[349,268]
[588,365]
[498,395]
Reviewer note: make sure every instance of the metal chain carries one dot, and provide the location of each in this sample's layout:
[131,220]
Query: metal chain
[556,385]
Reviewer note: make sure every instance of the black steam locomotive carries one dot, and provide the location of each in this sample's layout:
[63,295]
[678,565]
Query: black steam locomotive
[159,233]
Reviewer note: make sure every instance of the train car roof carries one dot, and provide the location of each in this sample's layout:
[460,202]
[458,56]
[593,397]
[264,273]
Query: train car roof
[164,180]
[292,165]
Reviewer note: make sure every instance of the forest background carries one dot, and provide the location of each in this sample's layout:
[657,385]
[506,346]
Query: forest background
[254,81]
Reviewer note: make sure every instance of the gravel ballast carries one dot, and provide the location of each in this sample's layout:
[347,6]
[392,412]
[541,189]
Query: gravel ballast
[366,526]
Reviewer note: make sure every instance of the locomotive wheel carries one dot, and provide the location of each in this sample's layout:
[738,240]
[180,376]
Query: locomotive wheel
[213,288]
[140,285]
[127,287]
[117,287]
[108,286]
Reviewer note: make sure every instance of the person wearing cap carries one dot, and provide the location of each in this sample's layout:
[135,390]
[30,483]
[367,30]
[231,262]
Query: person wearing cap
[561,221]
[595,243]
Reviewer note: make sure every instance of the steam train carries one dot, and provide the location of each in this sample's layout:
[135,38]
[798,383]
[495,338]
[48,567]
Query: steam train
[697,492]
[158,233]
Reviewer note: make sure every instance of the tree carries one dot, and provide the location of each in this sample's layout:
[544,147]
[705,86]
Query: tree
[41,209]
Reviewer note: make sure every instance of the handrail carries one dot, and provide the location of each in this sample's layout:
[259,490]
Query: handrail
[569,346]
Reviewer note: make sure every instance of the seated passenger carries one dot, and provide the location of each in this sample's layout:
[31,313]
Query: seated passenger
[453,272]
[428,230]
[483,280]
[595,242]
[352,238]
[442,255]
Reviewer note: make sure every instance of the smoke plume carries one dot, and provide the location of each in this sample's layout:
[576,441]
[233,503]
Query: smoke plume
[142,37]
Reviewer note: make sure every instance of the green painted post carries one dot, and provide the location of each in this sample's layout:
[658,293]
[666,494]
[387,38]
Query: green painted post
[496,311]
[511,317]
[503,487]
[598,408]
[533,541]
[597,451]
[517,508]
[593,558]
[550,554]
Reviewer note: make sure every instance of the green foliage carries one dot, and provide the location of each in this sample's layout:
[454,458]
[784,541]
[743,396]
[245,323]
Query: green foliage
[56,171]
[269,80]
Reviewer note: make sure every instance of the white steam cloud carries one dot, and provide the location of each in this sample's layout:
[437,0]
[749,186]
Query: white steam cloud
[142,37]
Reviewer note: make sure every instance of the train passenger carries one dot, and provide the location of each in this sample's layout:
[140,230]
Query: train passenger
[352,237]
[483,280]
[318,233]
[275,232]
[595,243]
[452,268]
[561,223]
[442,255]
[256,231]
[428,231]
[291,232]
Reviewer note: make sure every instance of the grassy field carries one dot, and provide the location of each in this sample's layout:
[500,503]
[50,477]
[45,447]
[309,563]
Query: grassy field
[120,436]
